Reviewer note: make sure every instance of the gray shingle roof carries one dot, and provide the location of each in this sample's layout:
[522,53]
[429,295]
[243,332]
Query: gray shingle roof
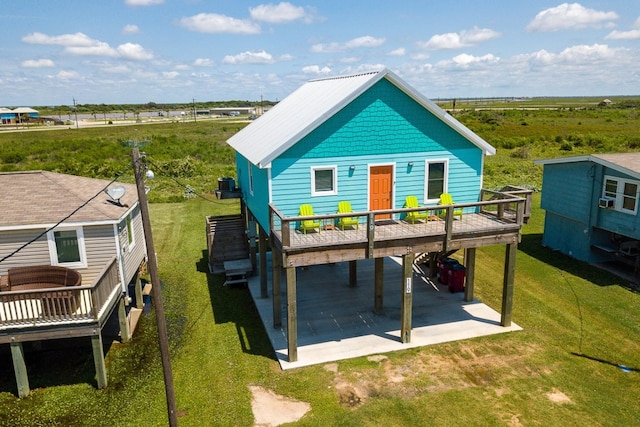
[34,198]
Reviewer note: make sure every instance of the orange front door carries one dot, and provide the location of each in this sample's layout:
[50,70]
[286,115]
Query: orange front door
[380,186]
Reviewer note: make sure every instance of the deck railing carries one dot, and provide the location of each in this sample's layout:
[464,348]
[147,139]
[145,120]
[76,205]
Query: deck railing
[495,211]
[53,306]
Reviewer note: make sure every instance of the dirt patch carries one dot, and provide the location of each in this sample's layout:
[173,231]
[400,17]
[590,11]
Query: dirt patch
[455,367]
[556,396]
[271,409]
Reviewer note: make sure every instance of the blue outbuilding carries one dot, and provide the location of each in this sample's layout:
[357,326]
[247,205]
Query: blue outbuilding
[591,205]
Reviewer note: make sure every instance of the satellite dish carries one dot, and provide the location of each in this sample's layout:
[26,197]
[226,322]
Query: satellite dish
[116,192]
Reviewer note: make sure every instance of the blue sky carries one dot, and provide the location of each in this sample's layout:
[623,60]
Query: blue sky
[167,51]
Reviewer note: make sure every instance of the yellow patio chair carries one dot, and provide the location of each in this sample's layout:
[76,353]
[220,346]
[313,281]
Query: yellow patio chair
[446,199]
[308,224]
[413,216]
[345,207]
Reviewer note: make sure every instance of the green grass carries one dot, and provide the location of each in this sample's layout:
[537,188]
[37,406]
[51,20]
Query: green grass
[579,323]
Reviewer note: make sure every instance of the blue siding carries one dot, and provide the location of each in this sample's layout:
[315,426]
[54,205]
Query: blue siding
[258,201]
[382,126]
[567,190]
[567,236]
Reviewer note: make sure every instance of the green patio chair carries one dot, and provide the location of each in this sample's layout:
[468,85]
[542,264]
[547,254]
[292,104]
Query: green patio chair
[308,224]
[413,216]
[446,199]
[345,207]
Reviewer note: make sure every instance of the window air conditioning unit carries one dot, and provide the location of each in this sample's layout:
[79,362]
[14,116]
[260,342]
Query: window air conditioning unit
[606,202]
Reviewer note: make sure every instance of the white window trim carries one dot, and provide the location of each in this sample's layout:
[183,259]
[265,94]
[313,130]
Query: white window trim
[130,236]
[620,182]
[53,251]
[334,170]
[250,169]
[445,185]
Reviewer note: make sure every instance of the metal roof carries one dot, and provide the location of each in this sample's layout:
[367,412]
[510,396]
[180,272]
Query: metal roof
[23,110]
[315,102]
[35,198]
[628,163]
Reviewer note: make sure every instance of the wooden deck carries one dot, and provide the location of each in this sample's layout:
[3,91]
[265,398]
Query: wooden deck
[488,222]
[37,314]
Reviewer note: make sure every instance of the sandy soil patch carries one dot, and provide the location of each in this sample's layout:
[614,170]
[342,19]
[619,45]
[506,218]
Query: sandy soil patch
[271,409]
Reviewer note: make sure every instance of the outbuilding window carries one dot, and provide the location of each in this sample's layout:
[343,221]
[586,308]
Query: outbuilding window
[625,192]
[324,180]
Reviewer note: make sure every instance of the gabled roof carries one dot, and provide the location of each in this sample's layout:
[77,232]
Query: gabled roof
[23,110]
[628,163]
[34,198]
[315,102]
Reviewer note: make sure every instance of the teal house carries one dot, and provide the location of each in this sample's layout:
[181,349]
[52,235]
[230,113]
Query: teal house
[591,205]
[368,138]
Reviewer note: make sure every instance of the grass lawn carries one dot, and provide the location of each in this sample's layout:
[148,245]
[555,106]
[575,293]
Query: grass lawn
[562,369]
[579,326]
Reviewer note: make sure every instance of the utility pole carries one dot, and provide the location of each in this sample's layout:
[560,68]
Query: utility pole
[156,292]
[75,110]
[195,113]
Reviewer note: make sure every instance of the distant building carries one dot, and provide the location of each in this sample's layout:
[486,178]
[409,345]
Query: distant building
[17,115]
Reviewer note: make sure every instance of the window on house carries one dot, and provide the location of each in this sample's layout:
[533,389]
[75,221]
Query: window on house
[130,236]
[324,181]
[66,247]
[250,169]
[436,179]
[624,192]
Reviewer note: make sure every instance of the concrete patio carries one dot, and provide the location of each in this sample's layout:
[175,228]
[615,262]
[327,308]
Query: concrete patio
[336,321]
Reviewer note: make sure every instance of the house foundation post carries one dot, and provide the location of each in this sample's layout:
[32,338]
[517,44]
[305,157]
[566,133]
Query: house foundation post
[292,315]
[507,287]
[276,283]
[470,264]
[251,235]
[20,369]
[378,286]
[98,360]
[407,297]
[262,245]
[125,330]
[353,273]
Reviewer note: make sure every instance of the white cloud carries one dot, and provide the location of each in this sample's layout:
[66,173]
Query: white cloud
[572,16]
[364,41]
[79,44]
[215,23]
[130,29]
[623,35]
[67,75]
[465,60]
[398,52]
[134,51]
[37,63]
[315,69]
[203,62]
[98,49]
[280,13]
[142,2]
[170,74]
[460,40]
[77,39]
[260,57]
